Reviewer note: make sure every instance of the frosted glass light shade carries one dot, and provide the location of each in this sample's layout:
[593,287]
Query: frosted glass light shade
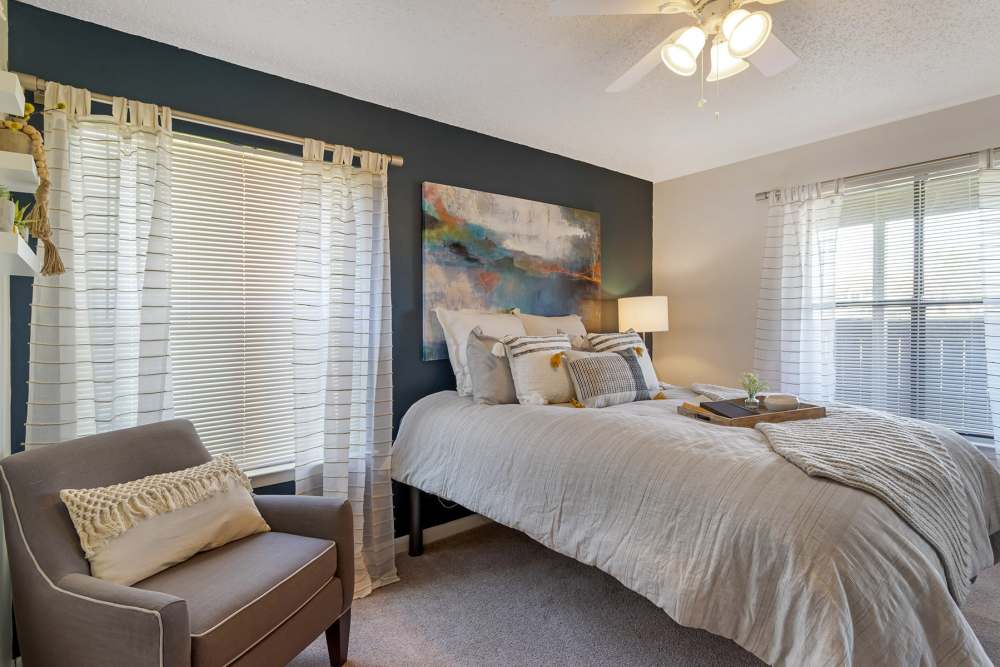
[643,313]
[680,54]
[731,20]
[724,65]
[746,32]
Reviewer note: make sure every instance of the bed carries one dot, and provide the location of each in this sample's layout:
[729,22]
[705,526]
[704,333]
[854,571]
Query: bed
[710,524]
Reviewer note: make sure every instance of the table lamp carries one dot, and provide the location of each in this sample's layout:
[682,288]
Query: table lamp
[644,314]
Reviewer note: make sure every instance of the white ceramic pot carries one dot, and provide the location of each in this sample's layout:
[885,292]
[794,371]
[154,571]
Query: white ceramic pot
[781,402]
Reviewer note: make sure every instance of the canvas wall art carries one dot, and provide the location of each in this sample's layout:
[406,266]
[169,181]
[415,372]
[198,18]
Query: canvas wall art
[492,252]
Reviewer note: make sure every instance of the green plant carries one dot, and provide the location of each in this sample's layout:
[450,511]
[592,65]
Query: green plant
[22,216]
[753,385]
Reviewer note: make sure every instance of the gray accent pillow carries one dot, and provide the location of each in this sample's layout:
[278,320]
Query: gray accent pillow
[603,379]
[492,383]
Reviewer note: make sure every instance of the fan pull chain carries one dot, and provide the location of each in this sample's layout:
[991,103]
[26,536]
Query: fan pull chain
[701,75]
[718,97]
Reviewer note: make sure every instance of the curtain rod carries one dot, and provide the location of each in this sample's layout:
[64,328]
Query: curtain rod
[763,196]
[37,85]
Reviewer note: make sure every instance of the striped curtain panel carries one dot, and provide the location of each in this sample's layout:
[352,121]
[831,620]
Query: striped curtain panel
[794,349]
[98,350]
[989,205]
[343,350]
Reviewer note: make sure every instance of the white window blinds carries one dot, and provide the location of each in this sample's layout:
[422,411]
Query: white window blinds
[909,284]
[235,212]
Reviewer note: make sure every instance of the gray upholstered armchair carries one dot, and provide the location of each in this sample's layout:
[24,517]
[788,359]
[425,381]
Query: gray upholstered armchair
[256,601]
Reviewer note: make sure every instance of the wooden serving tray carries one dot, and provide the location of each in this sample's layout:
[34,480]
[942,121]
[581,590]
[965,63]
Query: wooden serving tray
[804,411]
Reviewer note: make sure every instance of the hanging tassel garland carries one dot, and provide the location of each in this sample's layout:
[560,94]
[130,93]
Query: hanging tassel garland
[52,263]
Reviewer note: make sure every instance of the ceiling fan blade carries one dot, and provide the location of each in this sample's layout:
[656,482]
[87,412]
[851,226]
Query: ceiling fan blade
[605,7]
[637,71]
[774,57]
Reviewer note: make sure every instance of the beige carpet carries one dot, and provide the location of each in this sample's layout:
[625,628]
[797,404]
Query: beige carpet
[494,597]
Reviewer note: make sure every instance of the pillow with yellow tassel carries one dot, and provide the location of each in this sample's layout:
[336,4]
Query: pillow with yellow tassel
[537,364]
[617,342]
[603,379]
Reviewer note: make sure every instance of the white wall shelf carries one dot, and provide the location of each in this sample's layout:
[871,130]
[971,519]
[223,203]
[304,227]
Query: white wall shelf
[11,94]
[17,172]
[16,256]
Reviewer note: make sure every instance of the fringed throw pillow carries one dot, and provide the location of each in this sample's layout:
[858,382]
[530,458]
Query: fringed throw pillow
[133,530]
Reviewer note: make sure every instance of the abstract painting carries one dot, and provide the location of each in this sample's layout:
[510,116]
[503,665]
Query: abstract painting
[491,252]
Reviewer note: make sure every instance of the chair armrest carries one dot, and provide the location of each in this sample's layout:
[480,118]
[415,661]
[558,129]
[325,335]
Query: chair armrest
[106,623]
[316,516]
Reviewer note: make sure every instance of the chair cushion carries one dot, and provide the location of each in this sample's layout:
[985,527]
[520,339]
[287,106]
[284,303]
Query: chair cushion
[239,593]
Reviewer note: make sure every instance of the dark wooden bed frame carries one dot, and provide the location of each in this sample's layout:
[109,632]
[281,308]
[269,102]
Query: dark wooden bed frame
[416,532]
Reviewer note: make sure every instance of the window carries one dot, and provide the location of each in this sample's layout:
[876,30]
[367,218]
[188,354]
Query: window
[909,284]
[235,213]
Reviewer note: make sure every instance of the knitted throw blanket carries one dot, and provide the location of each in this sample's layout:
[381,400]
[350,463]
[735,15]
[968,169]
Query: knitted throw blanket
[899,461]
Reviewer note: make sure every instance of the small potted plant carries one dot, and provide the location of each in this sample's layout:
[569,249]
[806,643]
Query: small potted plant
[33,218]
[22,219]
[752,385]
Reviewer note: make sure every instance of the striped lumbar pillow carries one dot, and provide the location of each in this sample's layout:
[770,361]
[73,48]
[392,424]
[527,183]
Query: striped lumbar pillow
[602,379]
[536,363]
[613,342]
[618,342]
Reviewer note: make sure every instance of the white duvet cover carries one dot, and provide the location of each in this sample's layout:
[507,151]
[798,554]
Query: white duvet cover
[710,524]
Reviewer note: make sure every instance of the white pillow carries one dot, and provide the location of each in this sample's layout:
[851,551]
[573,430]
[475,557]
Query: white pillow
[458,324]
[613,342]
[540,325]
[539,368]
[133,530]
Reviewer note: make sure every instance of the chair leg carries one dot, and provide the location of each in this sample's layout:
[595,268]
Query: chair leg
[337,638]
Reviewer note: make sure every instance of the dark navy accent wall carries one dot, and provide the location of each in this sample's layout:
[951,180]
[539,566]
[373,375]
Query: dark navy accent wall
[74,52]
[20,299]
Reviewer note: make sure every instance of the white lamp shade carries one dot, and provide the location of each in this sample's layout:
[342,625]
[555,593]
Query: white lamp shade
[643,313]
[724,65]
[746,32]
[680,54]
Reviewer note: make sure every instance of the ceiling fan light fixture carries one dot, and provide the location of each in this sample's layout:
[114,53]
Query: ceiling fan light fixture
[724,65]
[680,53]
[746,32]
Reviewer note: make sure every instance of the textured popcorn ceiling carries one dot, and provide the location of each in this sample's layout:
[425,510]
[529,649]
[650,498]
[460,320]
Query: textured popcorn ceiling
[507,69]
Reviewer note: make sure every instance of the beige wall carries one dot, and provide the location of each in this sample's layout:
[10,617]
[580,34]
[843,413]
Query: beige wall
[708,232]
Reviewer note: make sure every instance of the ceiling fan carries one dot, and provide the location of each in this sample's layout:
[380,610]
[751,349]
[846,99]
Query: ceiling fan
[738,35]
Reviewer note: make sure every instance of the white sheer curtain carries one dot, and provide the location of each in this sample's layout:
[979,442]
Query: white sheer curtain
[343,349]
[99,359]
[989,205]
[794,349]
